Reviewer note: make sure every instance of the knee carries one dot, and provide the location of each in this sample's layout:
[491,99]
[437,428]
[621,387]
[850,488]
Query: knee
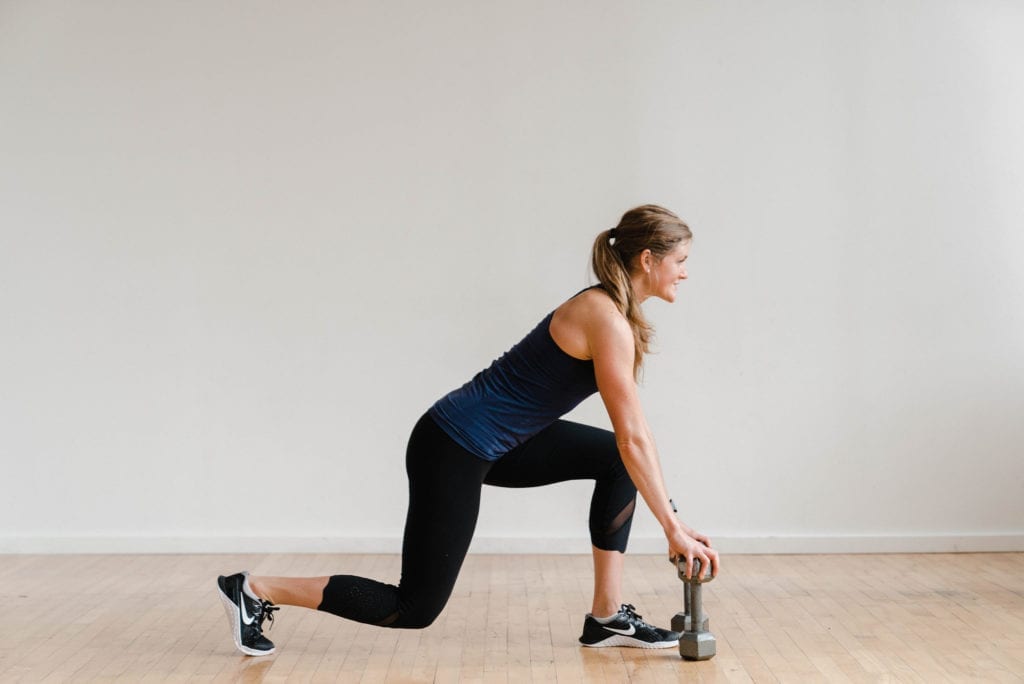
[417,623]
[418,610]
[415,619]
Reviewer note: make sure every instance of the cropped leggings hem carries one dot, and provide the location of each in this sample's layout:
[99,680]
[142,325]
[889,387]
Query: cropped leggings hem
[445,482]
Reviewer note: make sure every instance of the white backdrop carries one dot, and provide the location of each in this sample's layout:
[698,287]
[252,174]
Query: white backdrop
[243,246]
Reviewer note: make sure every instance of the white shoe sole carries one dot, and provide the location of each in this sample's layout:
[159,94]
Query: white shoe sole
[622,640]
[235,620]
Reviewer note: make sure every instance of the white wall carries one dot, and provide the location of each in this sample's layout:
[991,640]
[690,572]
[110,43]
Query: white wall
[244,245]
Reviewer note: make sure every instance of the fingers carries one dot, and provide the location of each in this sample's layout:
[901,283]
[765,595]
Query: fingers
[713,557]
[701,552]
[690,555]
[676,558]
[708,563]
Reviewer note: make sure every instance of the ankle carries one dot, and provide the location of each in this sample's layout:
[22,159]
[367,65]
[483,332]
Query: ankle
[256,587]
[604,609]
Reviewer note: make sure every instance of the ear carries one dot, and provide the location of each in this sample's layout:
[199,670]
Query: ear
[646,260]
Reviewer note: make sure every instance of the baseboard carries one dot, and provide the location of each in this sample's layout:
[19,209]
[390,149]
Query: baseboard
[961,543]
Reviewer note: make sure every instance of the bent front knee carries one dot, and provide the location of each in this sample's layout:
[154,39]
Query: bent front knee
[415,620]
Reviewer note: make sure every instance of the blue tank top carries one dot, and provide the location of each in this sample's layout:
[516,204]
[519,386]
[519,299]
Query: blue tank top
[526,389]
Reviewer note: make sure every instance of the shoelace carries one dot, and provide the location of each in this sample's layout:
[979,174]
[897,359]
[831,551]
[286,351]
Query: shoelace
[629,610]
[267,612]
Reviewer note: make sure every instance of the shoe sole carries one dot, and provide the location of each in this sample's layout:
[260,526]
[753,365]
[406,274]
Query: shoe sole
[621,640]
[235,620]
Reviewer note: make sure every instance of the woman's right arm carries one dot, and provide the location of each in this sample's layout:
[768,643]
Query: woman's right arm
[610,342]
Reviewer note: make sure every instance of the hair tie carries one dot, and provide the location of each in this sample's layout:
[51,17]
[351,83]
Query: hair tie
[611,234]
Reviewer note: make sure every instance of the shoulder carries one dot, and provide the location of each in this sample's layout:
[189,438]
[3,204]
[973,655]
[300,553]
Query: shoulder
[595,318]
[609,341]
[597,308]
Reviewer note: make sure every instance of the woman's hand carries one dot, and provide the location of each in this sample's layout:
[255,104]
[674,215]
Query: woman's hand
[686,543]
[702,538]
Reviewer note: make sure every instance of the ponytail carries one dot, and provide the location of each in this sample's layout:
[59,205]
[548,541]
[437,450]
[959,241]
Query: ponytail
[647,227]
[614,278]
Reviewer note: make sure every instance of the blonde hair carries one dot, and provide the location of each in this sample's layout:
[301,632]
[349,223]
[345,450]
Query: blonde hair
[647,227]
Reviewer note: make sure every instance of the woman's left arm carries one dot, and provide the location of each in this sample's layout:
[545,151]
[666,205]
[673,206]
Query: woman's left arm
[610,342]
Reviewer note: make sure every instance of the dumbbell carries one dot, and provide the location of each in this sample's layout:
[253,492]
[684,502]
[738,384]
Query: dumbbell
[696,642]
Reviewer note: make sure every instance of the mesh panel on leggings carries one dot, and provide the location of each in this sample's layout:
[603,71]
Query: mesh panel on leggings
[621,519]
[360,599]
[614,536]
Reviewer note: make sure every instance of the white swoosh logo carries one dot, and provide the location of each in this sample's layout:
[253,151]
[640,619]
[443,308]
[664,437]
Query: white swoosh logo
[241,604]
[626,632]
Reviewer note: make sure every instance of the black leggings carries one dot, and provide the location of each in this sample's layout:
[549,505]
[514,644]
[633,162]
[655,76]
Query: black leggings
[444,499]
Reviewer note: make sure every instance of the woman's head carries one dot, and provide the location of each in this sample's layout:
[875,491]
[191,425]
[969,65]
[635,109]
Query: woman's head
[649,227]
[629,260]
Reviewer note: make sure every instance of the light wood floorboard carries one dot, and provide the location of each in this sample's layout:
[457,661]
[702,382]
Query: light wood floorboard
[821,618]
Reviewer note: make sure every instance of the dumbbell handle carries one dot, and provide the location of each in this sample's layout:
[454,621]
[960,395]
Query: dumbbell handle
[693,605]
[695,576]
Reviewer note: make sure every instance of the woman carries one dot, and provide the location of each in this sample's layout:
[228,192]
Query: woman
[503,428]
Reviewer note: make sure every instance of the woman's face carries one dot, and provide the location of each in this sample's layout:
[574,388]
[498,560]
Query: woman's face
[666,273]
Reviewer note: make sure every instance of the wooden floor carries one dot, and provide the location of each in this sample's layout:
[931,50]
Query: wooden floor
[906,618]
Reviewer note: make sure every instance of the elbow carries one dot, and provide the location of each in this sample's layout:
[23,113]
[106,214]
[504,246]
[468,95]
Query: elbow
[633,443]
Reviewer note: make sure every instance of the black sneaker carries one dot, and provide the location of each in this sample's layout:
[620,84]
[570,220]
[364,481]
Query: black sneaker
[626,629]
[245,615]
